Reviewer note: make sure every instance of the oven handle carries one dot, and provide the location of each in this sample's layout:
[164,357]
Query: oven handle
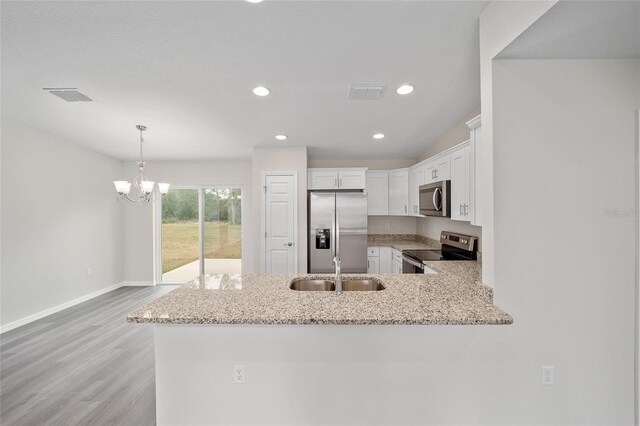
[412,262]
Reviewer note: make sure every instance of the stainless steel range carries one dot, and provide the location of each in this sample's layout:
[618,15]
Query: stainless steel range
[454,247]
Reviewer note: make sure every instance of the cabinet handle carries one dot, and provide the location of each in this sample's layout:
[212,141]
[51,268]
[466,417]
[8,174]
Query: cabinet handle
[368,266]
[335,182]
[461,210]
[405,208]
[466,209]
[436,172]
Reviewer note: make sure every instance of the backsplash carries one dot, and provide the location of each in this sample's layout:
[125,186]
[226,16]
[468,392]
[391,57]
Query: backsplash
[431,227]
[391,225]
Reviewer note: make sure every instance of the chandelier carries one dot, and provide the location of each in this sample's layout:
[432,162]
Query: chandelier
[142,185]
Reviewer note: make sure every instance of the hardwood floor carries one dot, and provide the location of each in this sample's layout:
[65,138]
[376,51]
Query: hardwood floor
[82,366]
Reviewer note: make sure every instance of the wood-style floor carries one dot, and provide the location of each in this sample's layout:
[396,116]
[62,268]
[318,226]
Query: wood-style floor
[82,366]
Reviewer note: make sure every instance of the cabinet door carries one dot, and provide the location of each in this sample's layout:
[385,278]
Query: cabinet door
[460,185]
[373,265]
[386,260]
[323,179]
[351,179]
[442,169]
[399,193]
[416,178]
[377,193]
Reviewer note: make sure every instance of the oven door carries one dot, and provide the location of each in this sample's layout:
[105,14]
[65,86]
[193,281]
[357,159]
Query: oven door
[411,265]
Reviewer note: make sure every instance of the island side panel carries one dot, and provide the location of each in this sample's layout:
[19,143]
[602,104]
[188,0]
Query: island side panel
[377,375]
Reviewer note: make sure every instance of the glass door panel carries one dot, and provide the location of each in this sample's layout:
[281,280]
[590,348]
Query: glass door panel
[180,235]
[222,242]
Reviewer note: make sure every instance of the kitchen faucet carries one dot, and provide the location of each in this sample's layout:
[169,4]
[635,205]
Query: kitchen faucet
[336,260]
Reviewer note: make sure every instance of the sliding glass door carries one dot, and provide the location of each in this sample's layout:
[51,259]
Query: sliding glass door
[200,231]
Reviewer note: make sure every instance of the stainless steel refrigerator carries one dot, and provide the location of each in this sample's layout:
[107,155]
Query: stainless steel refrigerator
[337,226]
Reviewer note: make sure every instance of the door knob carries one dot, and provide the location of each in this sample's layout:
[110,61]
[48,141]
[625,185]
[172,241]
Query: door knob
[289,244]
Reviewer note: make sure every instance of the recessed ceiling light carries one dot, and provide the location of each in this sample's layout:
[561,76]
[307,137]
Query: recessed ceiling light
[378,136]
[261,91]
[405,89]
[281,137]
[254,1]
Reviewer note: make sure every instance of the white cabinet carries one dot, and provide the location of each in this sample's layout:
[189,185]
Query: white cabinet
[475,188]
[322,179]
[461,183]
[386,260]
[397,261]
[416,178]
[351,179]
[377,183]
[379,260]
[373,265]
[399,192]
[336,178]
[438,169]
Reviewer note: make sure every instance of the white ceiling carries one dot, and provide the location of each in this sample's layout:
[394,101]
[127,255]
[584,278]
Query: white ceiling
[186,70]
[581,30]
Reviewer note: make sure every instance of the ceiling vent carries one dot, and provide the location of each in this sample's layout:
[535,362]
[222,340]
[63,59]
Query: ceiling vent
[366,92]
[70,94]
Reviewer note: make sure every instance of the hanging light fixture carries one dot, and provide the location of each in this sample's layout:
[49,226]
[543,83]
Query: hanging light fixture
[140,182]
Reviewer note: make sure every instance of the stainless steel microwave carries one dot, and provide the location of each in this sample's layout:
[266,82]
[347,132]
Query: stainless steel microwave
[435,199]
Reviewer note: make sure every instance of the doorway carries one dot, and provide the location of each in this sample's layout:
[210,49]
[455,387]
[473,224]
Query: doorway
[199,231]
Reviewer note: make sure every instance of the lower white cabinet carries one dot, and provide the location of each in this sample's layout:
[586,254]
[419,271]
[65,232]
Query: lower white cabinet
[380,260]
[373,264]
[397,261]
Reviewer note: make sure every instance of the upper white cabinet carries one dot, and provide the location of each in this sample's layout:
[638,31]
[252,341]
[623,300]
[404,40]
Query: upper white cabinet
[336,178]
[399,192]
[475,189]
[377,192]
[461,183]
[416,178]
[438,169]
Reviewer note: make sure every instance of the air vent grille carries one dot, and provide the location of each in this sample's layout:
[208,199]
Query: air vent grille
[70,94]
[366,92]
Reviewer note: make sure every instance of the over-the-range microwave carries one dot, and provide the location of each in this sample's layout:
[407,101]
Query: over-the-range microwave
[435,199]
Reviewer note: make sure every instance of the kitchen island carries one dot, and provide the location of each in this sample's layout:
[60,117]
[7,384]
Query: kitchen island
[319,357]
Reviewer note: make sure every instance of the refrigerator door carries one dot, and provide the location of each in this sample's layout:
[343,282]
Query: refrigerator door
[322,207]
[351,220]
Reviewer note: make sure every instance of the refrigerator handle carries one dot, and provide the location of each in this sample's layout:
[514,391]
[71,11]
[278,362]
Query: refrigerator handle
[338,234]
[333,231]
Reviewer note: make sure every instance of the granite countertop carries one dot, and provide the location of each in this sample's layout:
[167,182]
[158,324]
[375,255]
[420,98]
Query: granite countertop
[402,241]
[453,296]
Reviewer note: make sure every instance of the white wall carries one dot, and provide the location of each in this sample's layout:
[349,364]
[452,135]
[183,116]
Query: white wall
[564,146]
[59,217]
[500,23]
[138,224]
[285,159]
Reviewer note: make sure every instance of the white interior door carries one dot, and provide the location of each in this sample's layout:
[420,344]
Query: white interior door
[280,223]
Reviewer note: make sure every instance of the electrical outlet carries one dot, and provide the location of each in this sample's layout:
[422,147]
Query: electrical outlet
[89,272]
[547,375]
[387,226]
[239,376]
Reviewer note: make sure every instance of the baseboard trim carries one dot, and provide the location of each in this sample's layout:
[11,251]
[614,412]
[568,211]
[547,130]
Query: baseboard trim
[136,284]
[58,308]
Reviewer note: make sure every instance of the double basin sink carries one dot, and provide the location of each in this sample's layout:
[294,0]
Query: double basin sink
[348,284]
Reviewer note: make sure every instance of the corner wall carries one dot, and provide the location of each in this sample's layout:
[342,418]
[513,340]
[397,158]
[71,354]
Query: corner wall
[564,135]
[59,217]
[285,159]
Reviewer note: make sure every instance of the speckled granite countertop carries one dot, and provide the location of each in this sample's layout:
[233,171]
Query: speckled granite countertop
[453,296]
[402,241]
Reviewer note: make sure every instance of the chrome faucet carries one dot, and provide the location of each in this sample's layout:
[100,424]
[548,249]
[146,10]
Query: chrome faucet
[336,260]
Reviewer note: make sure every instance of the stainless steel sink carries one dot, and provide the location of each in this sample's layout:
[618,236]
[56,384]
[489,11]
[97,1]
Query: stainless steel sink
[312,285]
[362,285]
[369,284]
